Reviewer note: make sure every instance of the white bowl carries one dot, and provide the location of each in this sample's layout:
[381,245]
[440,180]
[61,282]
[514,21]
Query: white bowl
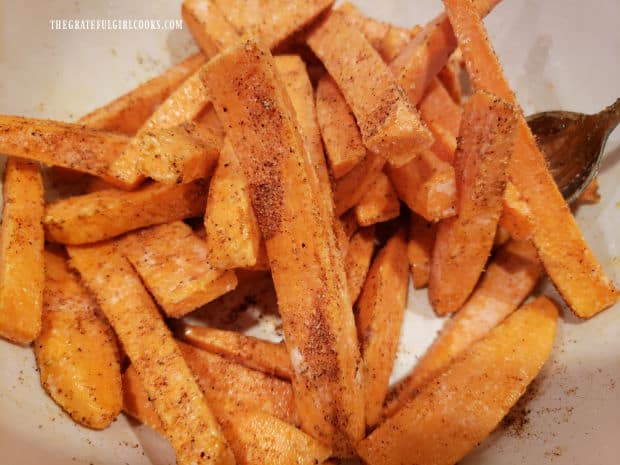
[558,54]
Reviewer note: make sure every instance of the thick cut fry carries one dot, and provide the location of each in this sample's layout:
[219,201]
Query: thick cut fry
[463,405]
[486,143]
[438,108]
[258,354]
[272,21]
[566,256]
[129,112]
[76,350]
[450,76]
[516,215]
[21,252]
[389,124]
[420,249]
[509,279]
[186,418]
[108,213]
[380,315]
[210,28]
[306,264]
[379,204]
[395,40]
[357,260]
[173,264]
[350,189]
[341,136]
[373,29]
[233,237]
[178,154]
[427,185]
[182,106]
[63,144]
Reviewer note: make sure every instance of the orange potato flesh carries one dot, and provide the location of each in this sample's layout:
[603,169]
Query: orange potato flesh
[510,277]
[269,357]
[306,264]
[450,76]
[516,215]
[427,185]
[182,106]
[186,418]
[21,252]
[233,237]
[486,143]
[357,260]
[127,113]
[460,407]
[373,29]
[380,310]
[437,108]
[350,189]
[208,25]
[76,351]
[420,249]
[395,41]
[63,144]
[178,154]
[173,264]
[389,124]
[567,258]
[341,136]
[108,213]
[379,204]
[272,21]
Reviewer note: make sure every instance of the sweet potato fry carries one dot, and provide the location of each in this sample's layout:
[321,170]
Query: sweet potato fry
[182,106]
[388,122]
[233,237]
[341,136]
[186,418]
[63,144]
[450,76]
[357,260]
[566,256]
[109,213]
[76,351]
[127,113]
[420,249]
[173,264]
[306,264]
[210,28]
[21,252]
[269,357]
[452,414]
[486,143]
[379,204]
[272,21]
[380,312]
[373,29]
[427,185]
[438,108]
[510,278]
[395,41]
[350,189]
[178,154]
[516,216]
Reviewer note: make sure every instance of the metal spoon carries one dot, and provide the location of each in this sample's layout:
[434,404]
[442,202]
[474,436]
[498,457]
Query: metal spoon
[574,145]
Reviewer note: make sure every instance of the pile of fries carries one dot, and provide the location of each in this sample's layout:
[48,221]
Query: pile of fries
[335,153]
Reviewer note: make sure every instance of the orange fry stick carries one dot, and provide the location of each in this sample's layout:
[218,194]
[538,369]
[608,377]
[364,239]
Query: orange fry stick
[109,213]
[22,273]
[380,314]
[173,264]
[357,260]
[451,415]
[373,29]
[516,215]
[306,264]
[481,164]
[510,278]
[63,144]
[186,418]
[265,356]
[450,76]
[420,249]
[566,256]
[128,113]
[350,189]
[208,25]
[379,204]
[388,122]
[341,136]
[395,41]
